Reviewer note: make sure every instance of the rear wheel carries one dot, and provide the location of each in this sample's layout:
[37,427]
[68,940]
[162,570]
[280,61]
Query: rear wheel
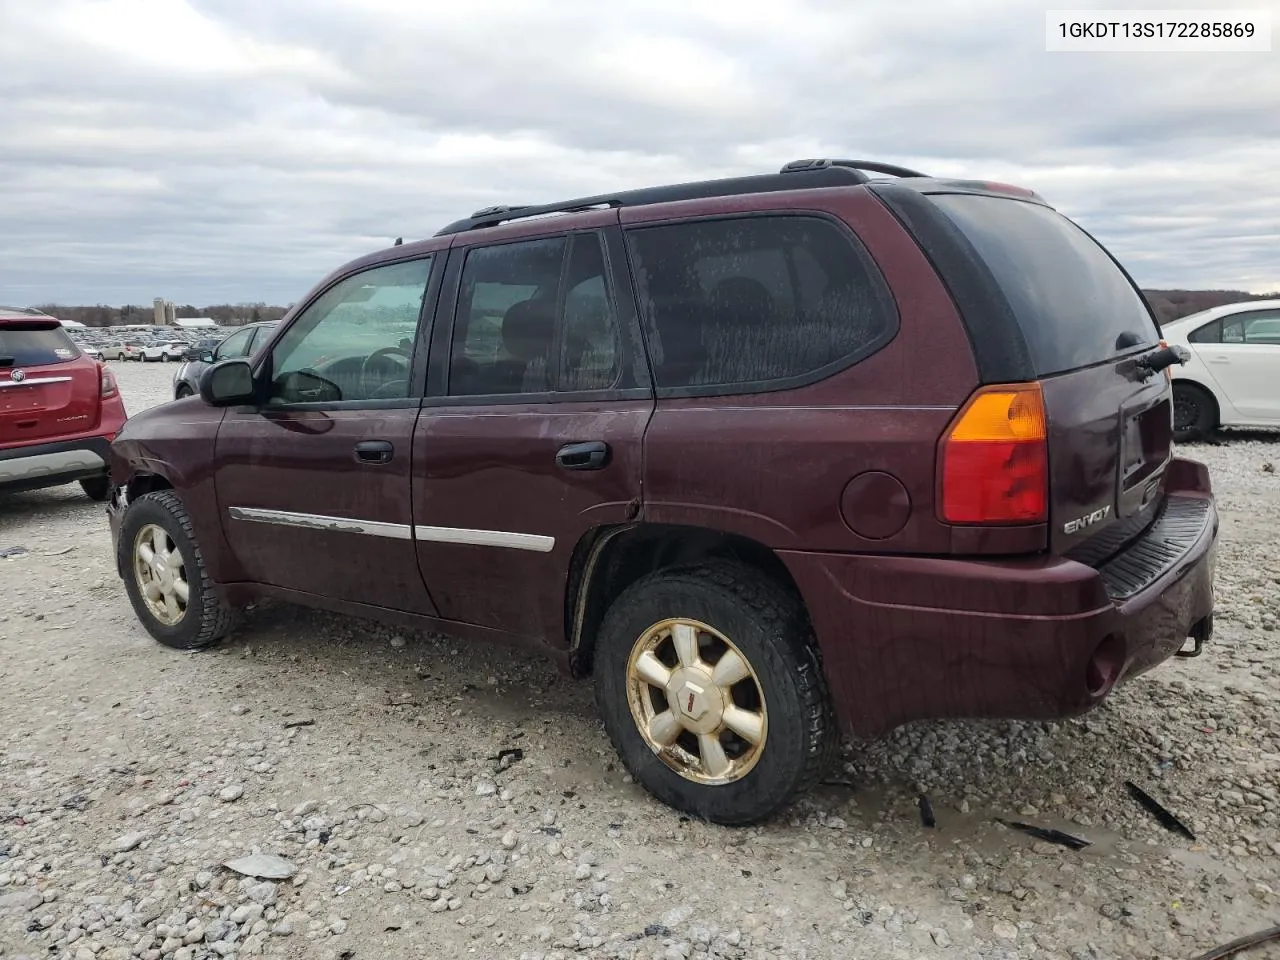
[709,685]
[165,576]
[96,488]
[1195,414]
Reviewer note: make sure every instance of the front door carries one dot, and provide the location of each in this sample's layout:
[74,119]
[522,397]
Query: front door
[534,437]
[313,484]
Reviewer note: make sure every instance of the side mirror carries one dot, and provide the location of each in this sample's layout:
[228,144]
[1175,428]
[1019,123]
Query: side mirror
[206,357]
[227,384]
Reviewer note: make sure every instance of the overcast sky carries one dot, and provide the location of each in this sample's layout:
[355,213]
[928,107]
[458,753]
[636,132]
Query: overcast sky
[237,150]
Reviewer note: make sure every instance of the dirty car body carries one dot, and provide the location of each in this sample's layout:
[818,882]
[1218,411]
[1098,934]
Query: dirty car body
[861,450]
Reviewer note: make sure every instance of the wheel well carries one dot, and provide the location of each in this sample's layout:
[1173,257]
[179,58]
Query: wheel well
[608,561]
[1213,400]
[144,483]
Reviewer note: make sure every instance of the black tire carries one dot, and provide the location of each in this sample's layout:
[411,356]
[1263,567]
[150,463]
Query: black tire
[1195,413]
[771,630]
[206,619]
[96,488]
[183,391]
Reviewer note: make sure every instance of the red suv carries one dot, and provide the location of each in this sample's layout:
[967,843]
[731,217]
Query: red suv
[59,407]
[769,457]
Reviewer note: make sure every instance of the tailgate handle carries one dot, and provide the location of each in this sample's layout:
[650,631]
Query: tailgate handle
[583,456]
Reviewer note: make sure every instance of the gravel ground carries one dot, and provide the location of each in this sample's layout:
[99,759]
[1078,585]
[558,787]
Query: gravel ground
[366,757]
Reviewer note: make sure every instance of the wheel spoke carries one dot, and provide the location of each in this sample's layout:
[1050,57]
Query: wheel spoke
[745,723]
[146,554]
[152,590]
[652,670]
[158,545]
[685,638]
[171,606]
[181,590]
[730,669]
[714,760]
[664,728]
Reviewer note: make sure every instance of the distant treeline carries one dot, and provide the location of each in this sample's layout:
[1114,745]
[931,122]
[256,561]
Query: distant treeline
[1172,304]
[1167,304]
[226,314]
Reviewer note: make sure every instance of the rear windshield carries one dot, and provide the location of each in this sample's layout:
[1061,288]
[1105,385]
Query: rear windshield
[1075,306]
[34,344]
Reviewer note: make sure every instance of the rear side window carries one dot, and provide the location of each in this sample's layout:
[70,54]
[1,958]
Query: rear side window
[34,344]
[757,301]
[1074,304]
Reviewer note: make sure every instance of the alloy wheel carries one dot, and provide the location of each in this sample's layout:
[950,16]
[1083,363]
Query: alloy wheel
[696,701]
[161,573]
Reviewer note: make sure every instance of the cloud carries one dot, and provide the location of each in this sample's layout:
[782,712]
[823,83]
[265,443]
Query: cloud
[209,150]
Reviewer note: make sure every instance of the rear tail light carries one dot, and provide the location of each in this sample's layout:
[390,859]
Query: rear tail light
[1168,371]
[994,459]
[107,384]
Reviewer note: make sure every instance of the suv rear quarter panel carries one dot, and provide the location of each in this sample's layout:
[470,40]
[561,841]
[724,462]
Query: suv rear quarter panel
[773,466]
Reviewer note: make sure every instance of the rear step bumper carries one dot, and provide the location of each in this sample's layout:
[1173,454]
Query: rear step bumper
[52,464]
[912,638]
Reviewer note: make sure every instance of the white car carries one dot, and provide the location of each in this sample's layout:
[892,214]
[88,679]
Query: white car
[1233,376]
[169,350]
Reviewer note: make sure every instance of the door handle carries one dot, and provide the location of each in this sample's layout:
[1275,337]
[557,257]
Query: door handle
[374,451]
[593,455]
[1219,359]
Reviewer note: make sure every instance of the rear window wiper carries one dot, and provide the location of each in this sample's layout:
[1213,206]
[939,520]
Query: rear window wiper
[1157,360]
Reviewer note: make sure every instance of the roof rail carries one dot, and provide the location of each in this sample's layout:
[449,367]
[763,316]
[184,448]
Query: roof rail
[826,173]
[872,166]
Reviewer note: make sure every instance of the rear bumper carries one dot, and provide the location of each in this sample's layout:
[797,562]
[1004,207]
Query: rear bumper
[52,464]
[911,638]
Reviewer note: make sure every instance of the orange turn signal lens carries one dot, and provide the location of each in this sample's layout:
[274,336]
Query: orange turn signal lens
[1005,413]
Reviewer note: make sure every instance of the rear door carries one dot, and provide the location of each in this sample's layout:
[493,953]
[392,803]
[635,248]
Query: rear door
[48,388]
[532,433]
[1084,323]
[1246,362]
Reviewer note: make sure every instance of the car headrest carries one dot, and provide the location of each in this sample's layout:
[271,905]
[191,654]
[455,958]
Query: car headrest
[527,328]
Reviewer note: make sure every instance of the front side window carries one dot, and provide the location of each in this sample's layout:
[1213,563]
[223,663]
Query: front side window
[756,299]
[356,341]
[535,317]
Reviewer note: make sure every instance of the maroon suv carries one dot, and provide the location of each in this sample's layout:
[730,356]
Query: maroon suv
[769,457]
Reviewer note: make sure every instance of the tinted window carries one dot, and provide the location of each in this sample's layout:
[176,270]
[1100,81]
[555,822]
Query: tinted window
[1210,333]
[756,299]
[33,344]
[1260,326]
[515,333]
[590,345]
[1075,306]
[356,341]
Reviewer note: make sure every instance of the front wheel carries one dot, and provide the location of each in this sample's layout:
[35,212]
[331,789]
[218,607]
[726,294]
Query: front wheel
[709,684]
[182,391]
[165,575]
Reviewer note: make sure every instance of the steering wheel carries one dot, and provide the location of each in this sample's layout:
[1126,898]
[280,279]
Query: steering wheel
[370,362]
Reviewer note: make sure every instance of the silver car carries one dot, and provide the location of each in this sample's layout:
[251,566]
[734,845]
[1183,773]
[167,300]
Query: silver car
[242,343]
